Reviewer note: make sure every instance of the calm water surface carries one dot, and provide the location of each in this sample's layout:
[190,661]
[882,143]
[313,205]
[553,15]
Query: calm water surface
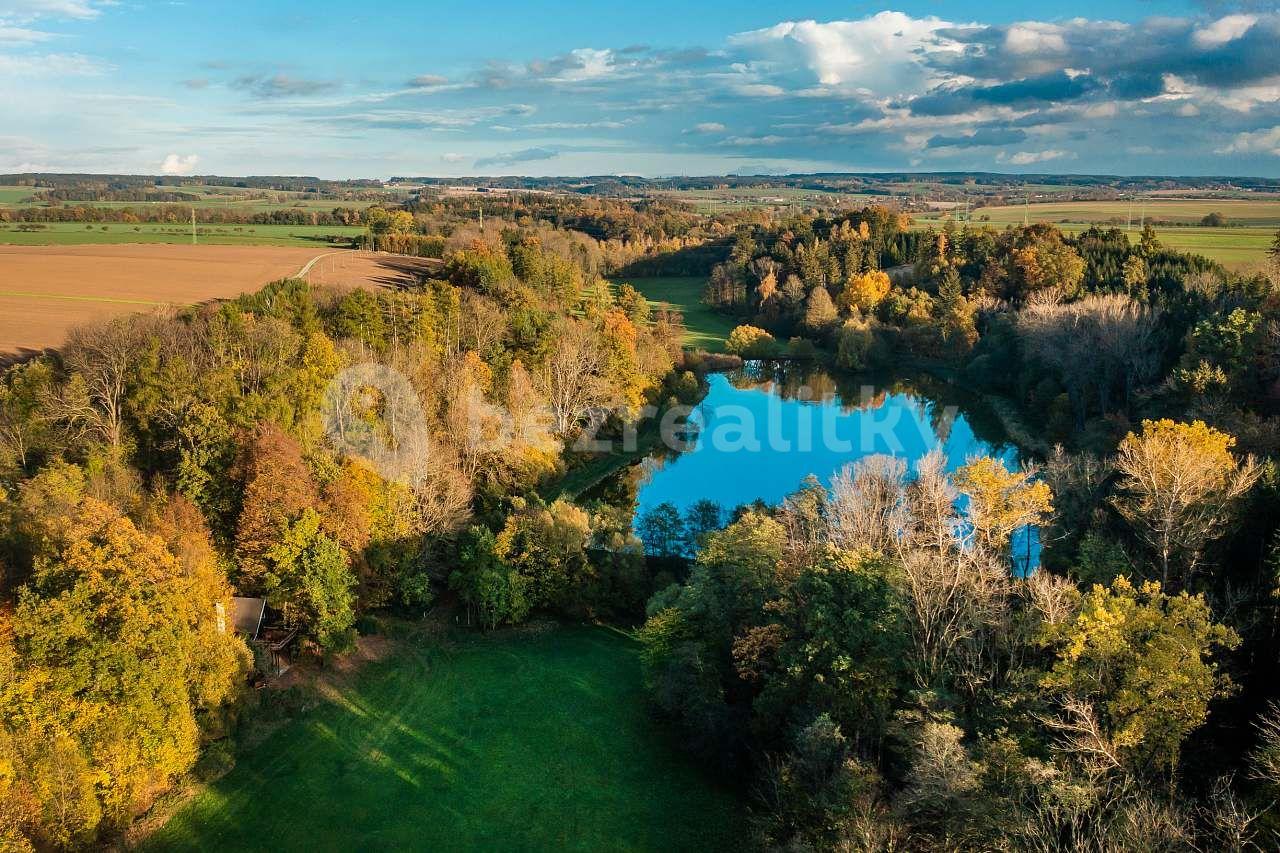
[762,430]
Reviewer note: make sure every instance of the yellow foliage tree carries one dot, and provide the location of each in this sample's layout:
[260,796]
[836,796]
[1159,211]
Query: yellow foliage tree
[750,342]
[115,649]
[1136,673]
[1180,487]
[864,292]
[1001,501]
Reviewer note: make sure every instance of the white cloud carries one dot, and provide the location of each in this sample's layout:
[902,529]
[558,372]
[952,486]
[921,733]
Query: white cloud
[1107,109]
[1266,141]
[29,10]
[21,35]
[50,65]
[1034,37]
[879,54]
[586,63]
[748,141]
[709,127]
[1026,158]
[1224,30]
[760,90]
[453,157]
[175,164]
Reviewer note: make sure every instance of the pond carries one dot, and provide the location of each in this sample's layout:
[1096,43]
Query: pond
[763,429]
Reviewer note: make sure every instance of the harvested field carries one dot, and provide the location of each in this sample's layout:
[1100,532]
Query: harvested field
[369,269]
[45,290]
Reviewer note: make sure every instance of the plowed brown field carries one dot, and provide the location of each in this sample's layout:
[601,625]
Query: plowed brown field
[45,290]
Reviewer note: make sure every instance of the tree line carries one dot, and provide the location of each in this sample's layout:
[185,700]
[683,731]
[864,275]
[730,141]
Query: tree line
[872,660]
[158,464]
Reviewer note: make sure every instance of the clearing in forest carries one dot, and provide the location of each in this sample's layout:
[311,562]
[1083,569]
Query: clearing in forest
[705,328]
[519,740]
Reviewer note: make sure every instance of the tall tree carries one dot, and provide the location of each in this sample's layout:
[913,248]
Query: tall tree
[1180,487]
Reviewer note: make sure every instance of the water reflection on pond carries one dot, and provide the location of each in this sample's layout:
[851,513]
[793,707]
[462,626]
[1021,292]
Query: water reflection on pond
[762,429]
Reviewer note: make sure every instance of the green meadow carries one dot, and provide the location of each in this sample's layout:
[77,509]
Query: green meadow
[511,741]
[705,328]
[1250,228]
[76,233]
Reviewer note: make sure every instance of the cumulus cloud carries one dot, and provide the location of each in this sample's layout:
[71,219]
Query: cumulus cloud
[880,54]
[1031,91]
[1223,30]
[1034,38]
[877,92]
[176,164]
[511,158]
[1266,141]
[753,141]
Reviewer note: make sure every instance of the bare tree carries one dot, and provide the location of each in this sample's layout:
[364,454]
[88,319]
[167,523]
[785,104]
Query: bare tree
[868,507]
[571,381]
[101,355]
[1096,345]
[931,504]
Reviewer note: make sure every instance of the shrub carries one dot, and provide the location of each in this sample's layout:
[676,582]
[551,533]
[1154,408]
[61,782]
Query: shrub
[751,342]
[802,349]
[853,344]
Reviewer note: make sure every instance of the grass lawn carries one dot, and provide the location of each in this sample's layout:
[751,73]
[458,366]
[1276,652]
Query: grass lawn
[515,741]
[76,233]
[705,328]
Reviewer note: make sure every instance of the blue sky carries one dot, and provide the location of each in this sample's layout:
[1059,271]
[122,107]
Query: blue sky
[655,88]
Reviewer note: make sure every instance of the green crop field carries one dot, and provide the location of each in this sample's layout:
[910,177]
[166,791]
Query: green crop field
[74,233]
[1173,210]
[14,195]
[1251,225]
[238,199]
[513,741]
[704,328]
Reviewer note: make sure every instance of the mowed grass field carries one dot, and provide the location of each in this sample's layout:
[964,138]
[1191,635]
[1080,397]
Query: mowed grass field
[1251,227]
[78,233]
[704,328]
[512,741]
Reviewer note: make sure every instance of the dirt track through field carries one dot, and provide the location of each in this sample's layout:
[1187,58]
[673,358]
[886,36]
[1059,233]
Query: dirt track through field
[45,290]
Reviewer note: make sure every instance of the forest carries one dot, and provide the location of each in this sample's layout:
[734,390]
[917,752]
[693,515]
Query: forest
[861,660]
